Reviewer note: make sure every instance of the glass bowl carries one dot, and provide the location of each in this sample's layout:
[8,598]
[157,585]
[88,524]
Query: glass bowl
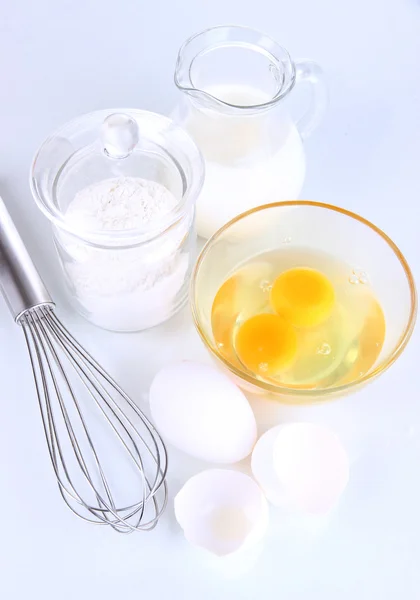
[321,227]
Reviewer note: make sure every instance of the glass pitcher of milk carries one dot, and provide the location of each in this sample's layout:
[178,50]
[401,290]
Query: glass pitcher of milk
[236,83]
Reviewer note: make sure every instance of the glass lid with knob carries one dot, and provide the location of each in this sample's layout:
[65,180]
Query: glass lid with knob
[113,144]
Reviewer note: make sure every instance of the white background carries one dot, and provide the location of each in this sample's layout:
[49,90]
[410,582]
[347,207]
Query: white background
[63,58]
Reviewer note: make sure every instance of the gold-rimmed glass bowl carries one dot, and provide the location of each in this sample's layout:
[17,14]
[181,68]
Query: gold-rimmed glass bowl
[321,227]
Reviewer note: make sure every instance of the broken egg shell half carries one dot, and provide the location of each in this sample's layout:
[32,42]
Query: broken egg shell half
[263,468]
[301,467]
[222,511]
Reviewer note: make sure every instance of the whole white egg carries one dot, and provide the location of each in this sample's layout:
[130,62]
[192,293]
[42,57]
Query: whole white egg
[198,409]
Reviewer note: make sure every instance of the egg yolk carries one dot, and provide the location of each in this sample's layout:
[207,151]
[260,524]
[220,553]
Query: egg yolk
[266,343]
[303,296]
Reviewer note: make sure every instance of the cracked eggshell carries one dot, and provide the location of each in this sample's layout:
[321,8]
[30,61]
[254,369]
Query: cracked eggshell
[301,466]
[222,511]
[312,464]
[198,409]
[263,468]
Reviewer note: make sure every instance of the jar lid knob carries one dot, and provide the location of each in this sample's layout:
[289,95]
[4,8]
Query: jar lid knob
[119,135]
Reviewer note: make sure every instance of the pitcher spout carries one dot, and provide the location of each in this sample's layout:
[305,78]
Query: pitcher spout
[258,71]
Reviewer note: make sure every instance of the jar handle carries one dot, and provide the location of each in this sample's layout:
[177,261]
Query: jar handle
[310,72]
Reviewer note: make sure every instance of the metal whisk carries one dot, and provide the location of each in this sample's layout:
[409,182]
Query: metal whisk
[109,460]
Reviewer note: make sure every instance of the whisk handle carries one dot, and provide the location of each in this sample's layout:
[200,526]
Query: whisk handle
[20,282]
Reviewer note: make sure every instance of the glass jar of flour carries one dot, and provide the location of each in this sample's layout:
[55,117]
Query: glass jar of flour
[238,86]
[119,188]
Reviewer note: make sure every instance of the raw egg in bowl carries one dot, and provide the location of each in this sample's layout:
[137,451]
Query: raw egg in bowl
[314,302]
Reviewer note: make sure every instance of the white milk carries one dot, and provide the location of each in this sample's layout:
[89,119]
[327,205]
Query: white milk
[249,159]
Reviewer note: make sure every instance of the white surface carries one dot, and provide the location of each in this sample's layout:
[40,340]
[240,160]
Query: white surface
[60,59]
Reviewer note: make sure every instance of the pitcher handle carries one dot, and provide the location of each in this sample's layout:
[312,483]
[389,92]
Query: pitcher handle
[310,72]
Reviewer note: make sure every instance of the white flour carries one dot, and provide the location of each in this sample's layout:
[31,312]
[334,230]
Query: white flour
[121,203]
[132,288]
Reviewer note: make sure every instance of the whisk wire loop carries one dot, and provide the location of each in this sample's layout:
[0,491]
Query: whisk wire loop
[49,342]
